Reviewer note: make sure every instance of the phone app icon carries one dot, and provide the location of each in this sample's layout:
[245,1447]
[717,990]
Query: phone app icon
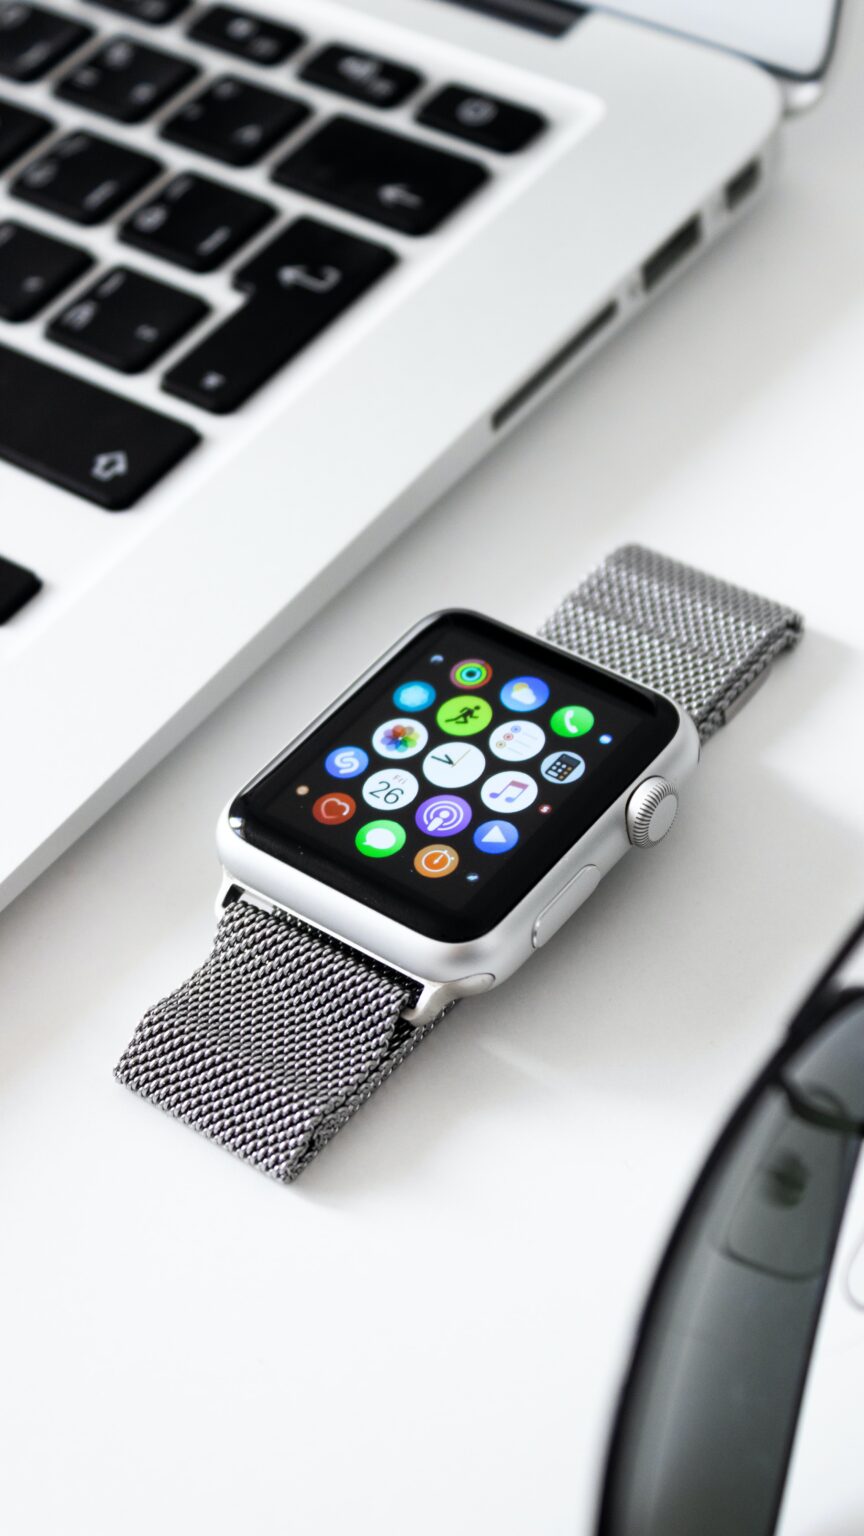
[414,696]
[443,813]
[572,720]
[517,740]
[378,839]
[454,765]
[346,762]
[400,738]
[562,767]
[509,792]
[436,860]
[496,837]
[333,808]
[524,694]
[390,788]
[464,716]
[472,673]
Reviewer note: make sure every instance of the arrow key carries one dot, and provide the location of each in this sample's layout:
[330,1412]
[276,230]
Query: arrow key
[382,176]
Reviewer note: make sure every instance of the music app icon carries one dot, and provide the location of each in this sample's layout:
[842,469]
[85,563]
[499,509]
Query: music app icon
[509,792]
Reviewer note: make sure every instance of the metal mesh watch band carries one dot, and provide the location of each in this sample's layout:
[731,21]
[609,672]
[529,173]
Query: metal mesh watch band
[702,641]
[274,1043]
[283,1032]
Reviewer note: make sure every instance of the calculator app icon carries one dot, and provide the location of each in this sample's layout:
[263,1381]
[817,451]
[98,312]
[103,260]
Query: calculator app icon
[561,767]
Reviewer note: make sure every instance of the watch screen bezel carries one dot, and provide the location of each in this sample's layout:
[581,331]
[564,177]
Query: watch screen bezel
[654,731]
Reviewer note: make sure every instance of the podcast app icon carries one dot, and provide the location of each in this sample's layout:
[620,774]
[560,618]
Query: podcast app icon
[443,813]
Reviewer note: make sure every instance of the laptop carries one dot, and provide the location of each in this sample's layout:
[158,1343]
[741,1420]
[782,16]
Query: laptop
[272,279]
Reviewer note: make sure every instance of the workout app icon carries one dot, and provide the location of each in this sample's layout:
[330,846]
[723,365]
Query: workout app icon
[400,738]
[509,792]
[496,837]
[471,673]
[443,813]
[572,720]
[378,839]
[346,762]
[524,694]
[414,696]
[435,861]
[562,767]
[464,716]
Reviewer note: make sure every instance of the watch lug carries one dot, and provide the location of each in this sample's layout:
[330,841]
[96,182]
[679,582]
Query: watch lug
[434,997]
[437,996]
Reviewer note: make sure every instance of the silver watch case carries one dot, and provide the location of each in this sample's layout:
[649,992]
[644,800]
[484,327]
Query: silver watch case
[443,972]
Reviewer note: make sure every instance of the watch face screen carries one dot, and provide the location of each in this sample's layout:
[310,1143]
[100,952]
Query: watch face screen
[452,780]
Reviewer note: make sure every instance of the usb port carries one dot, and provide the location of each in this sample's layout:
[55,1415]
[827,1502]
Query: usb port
[742,185]
[671,252]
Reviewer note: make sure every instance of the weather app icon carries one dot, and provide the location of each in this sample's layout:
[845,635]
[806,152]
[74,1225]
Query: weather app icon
[524,694]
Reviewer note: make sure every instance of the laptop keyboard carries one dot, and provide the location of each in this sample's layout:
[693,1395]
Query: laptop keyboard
[305,273]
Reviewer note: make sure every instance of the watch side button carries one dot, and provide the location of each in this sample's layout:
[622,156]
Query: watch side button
[562,906]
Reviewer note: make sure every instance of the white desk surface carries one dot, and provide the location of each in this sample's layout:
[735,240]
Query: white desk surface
[424,1334]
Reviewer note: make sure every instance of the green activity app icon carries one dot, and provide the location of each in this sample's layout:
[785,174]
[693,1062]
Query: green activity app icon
[464,716]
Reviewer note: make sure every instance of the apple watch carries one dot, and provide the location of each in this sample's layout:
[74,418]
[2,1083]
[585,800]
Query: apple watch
[430,831]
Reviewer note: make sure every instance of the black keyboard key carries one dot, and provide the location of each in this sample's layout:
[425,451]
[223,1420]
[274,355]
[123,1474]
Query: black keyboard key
[380,176]
[364,76]
[85,178]
[235,121]
[126,80]
[33,40]
[19,131]
[34,268]
[154,13]
[17,586]
[298,285]
[80,437]
[482,119]
[127,320]
[251,37]
[196,223]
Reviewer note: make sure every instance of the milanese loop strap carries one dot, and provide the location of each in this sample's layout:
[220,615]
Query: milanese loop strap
[699,640]
[274,1043]
[283,1033]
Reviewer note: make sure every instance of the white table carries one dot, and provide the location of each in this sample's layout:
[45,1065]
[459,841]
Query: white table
[424,1335]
